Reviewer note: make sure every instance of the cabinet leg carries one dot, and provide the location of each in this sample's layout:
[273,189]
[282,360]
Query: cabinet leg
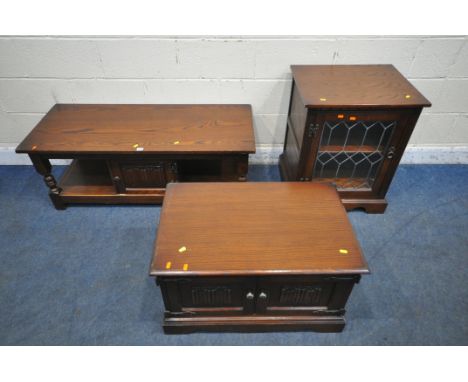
[371,206]
[284,170]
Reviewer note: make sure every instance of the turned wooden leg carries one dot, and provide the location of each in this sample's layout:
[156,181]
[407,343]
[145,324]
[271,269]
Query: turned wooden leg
[54,192]
[43,167]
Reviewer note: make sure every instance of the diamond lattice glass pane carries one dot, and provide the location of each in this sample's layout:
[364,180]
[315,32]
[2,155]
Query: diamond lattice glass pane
[351,153]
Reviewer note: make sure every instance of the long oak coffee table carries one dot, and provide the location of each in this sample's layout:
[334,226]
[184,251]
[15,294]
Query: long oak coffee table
[128,153]
[255,257]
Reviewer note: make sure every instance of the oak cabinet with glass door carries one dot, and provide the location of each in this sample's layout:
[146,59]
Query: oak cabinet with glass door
[349,125]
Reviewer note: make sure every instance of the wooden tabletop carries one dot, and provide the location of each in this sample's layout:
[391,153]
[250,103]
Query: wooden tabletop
[338,86]
[142,129]
[254,228]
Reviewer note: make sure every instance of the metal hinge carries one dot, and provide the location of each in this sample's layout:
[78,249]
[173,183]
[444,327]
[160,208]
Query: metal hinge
[313,128]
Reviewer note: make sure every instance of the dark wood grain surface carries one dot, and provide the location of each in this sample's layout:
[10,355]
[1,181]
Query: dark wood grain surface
[254,228]
[142,129]
[338,86]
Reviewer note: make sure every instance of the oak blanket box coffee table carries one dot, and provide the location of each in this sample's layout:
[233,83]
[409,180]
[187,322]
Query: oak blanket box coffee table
[128,153]
[255,257]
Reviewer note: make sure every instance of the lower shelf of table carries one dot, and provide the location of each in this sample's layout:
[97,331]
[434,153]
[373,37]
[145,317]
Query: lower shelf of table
[184,325]
[89,181]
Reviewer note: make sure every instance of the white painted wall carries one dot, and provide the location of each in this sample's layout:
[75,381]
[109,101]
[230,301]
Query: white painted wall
[36,72]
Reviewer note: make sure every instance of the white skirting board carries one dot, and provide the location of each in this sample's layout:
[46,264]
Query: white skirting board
[268,154]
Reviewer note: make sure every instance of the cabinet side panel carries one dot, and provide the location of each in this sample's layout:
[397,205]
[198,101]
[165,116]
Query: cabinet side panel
[291,154]
[406,124]
[297,117]
[341,293]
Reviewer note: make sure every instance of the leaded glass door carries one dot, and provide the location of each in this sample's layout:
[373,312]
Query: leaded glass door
[353,148]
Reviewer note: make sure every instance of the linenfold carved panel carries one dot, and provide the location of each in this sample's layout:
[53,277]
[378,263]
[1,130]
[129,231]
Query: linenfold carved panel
[211,296]
[144,175]
[306,295]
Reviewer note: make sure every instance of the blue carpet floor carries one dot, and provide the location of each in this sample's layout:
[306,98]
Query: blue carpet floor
[80,276]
